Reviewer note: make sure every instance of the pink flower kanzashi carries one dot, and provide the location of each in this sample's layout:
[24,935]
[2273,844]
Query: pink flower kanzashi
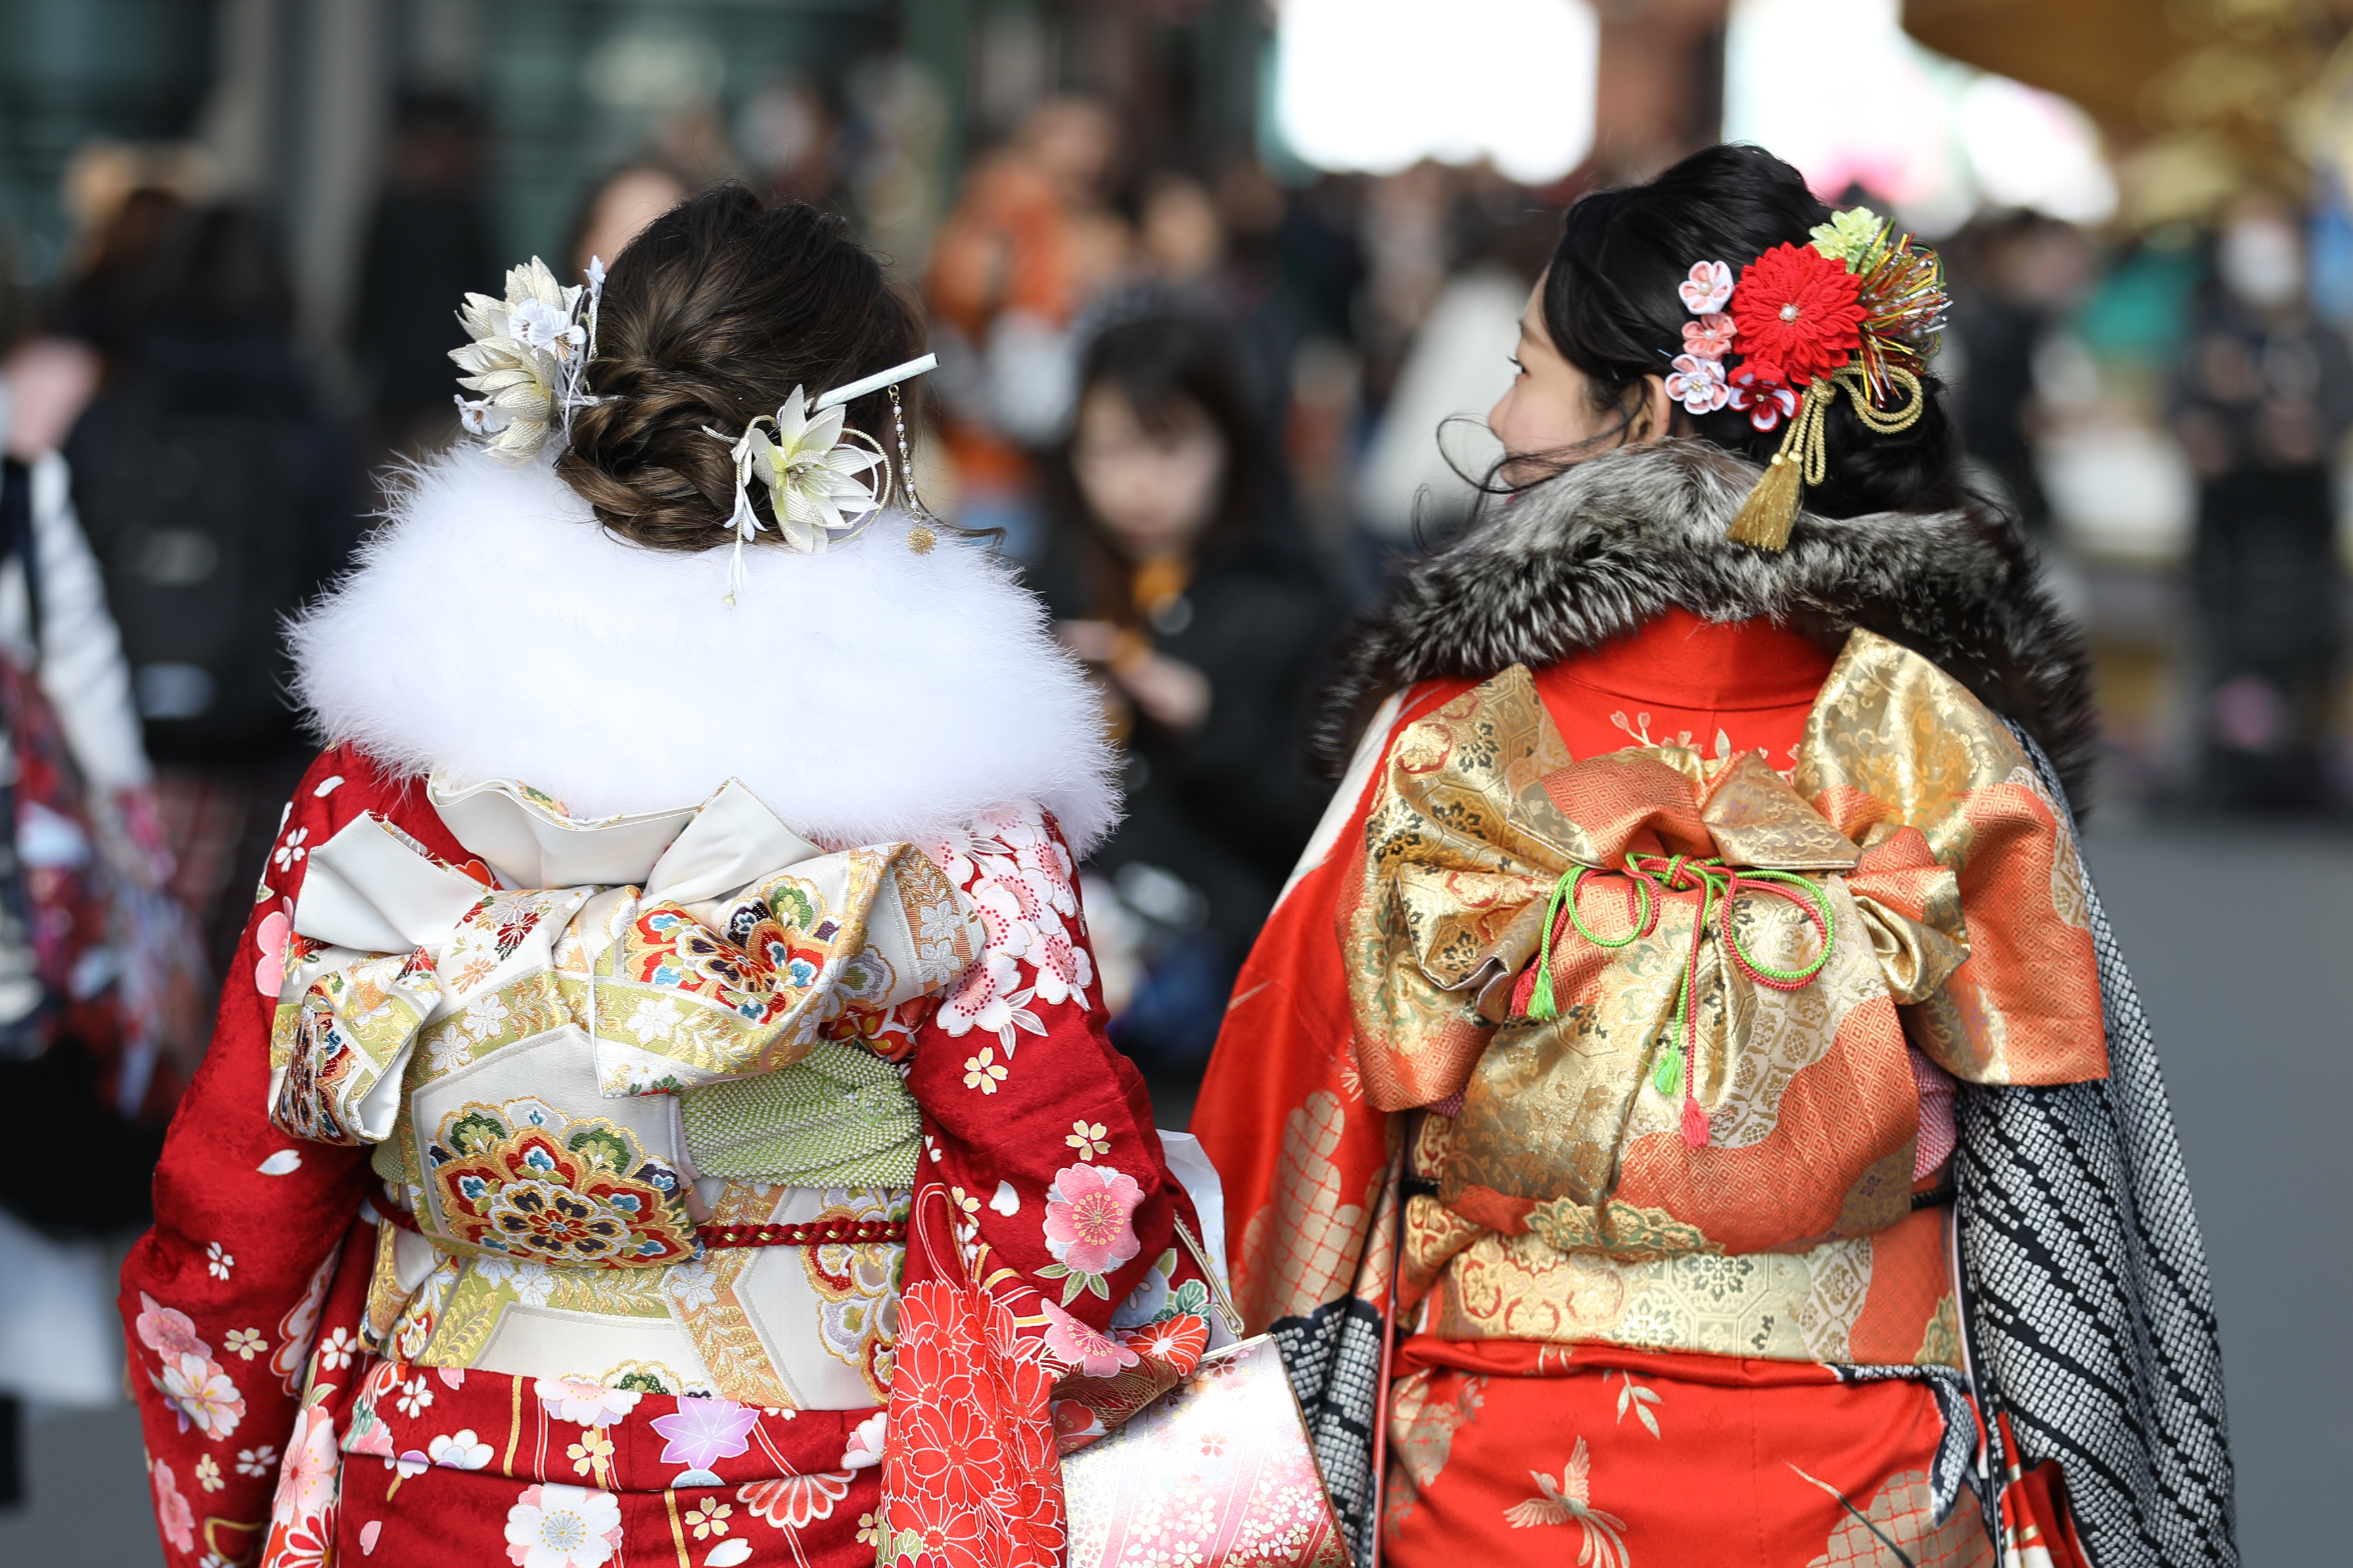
[203,1394]
[172,1510]
[1089,1212]
[1707,289]
[701,1432]
[167,1333]
[1698,385]
[1711,336]
[1077,1345]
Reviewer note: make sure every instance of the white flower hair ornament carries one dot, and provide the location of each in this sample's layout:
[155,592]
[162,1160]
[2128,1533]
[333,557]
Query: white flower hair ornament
[528,357]
[825,480]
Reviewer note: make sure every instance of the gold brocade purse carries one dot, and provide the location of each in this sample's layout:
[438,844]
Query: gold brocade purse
[1223,1460]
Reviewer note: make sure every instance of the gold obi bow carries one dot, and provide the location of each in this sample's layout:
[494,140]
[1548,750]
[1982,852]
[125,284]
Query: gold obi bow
[1590,953]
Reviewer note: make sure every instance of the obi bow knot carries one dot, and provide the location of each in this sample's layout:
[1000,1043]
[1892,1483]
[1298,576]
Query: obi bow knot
[1717,886]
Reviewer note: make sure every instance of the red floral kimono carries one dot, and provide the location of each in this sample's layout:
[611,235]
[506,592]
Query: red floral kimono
[516,1333]
[1652,1272]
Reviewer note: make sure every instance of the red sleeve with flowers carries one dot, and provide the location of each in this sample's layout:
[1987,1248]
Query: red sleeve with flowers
[1047,1295]
[221,1300]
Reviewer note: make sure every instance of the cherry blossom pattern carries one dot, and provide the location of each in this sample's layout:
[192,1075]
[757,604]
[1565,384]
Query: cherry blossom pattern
[583,1402]
[710,1519]
[983,1072]
[864,1449]
[1090,1228]
[172,1510]
[553,1526]
[1021,878]
[302,1516]
[269,940]
[1083,1347]
[202,1394]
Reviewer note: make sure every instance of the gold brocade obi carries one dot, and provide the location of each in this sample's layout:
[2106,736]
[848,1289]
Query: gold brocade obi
[538,1121]
[1792,1125]
[652,1026]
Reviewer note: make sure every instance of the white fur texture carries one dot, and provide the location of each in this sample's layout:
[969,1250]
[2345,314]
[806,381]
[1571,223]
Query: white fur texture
[492,630]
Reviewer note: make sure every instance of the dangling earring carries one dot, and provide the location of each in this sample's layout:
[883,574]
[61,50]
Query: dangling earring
[919,538]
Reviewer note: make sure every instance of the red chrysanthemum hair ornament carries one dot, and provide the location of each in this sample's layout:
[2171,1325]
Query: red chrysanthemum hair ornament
[1858,310]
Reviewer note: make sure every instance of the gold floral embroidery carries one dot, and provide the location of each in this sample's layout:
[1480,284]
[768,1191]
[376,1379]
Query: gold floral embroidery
[1616,1229]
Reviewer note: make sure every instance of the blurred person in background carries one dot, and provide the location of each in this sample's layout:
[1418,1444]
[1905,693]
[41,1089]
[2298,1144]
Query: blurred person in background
[218,497]
[2014,274]
[427,244]
[1513,1157]
[2261,403]
[1032,240]
[788,134]
[1174,572]
[100,977]
[617,208]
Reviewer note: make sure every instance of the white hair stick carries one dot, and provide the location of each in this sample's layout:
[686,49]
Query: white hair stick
[875,382]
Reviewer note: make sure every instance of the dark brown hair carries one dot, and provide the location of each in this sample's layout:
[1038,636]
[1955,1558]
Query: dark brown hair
[711,317]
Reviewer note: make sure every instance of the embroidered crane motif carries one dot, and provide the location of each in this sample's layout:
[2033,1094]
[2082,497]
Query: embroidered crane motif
[1570,1501]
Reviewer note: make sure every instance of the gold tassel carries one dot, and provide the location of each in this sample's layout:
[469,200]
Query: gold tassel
[1771,507]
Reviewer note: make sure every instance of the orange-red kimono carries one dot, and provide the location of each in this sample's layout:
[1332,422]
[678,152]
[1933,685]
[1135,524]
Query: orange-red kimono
[1623,1186]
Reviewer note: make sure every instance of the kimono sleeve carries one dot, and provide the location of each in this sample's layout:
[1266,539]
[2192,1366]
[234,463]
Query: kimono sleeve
[220,1299]
[1895,744]
[1039,1127]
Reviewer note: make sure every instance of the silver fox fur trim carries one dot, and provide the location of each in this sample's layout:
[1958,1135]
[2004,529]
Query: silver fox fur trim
[1610,543]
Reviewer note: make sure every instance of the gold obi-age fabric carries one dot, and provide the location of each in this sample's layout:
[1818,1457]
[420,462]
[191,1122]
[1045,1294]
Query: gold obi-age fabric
[1911,808]
[562,1081]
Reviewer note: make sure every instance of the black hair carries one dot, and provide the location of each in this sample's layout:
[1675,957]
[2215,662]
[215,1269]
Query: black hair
[1611,309]
[1164,363]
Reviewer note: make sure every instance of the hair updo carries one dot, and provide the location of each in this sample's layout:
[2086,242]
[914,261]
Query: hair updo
[1611,306]
[711,317]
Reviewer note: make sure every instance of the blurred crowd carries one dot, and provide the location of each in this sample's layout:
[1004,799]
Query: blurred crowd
[1202,405]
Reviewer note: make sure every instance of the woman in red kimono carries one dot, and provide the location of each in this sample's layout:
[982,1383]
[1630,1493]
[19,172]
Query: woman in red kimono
[661,1111]
[1688,1082]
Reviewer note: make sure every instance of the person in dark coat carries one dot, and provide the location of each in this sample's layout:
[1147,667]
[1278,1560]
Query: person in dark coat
[1175,575]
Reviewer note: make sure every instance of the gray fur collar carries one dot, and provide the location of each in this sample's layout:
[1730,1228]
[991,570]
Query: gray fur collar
[1610,543]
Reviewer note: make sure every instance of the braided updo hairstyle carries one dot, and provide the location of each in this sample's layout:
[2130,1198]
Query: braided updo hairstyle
[711,316]
[1611,306]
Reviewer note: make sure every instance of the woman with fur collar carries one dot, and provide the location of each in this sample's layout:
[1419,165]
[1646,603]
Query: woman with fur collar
[661,1107]
[1687,1104]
